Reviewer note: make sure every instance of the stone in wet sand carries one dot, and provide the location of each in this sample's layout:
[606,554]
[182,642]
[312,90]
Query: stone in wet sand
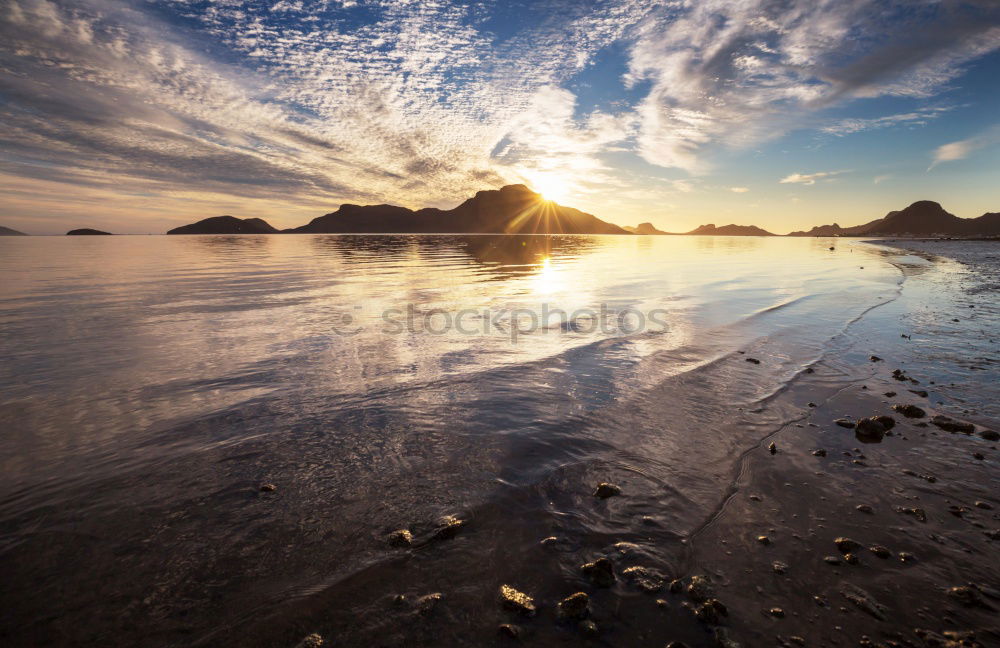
[310,641]
[764,540]
[426,604]
[698,589]
[772,448]
[779,567]
[777,612]
[990,435]
[909,411]
[589,628]
[509,630]
[711,611]
[517,601]
[845,423]
[753,360]
[448,527]
[645,579]
[864,508]
[846,545]
[599,572]
[575,606]
[268,488]
[869,430]
[880,551]
[887,421]
[819,452]
[605,490]
[951,425]
[864,601]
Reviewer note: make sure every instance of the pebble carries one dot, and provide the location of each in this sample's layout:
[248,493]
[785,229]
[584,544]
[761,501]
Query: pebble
[764,540]
[978,455]
[711,611]
[906,556]
[880,551]
[777,612]
[779,567]
[889,394]
[400,538]
[605,490]
[869,429]
[310,641]
[918,513]
[509,630]
[575,606]
[448,527]
[875,358]
[864,508]
[268,488]
[863,601]
[600,572]
[645,579]
[984,505]
[851,558]
[551,541]
[426,604]
[831,560]
[846,545]
[845,422]
[951,425]
[773,448]
[753,360]
[698,589]
[589,628]
[518,601]
[990,435]
[909,411]
[819,453]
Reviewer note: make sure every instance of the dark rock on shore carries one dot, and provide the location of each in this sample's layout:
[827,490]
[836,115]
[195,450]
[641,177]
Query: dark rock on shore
[990,435]
[605,490]
[951,425]
[846,545]
[869,430]
[574,606]
[400,538]
[645,579]
[268,488]
[600,572]
[711,611]
[448,527]
[310,641]
[863,601]
[6,231]
[517,601]
[909,411]
[845,423]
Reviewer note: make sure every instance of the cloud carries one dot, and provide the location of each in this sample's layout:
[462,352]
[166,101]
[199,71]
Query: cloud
[963,148]
[880,179]
[739,189]
[809,178]
[732,74]
[918,117]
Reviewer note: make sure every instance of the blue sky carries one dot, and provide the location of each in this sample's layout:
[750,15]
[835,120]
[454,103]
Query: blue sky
[139,116]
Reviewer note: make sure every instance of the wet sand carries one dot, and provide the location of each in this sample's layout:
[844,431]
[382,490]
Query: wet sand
[715,538]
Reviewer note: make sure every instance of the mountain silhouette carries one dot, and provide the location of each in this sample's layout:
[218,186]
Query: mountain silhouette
[514,209]
[226,225]
[728,230]
[86,231]
[6,231]
[644,228]
[922,218]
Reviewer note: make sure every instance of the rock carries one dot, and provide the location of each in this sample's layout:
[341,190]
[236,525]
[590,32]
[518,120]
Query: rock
[509,630]
[969,596]
[400,538]
[978,455]
[753,360]
[605,490]
[599,572]
[951,425]
[551,541]
[906,556]
[984,505]
[851,558]
[887,421]
[909,411]
[589,628]
[772,448]
[711,611]
[575,606]
[723,639]
[919,392]
[777,612]
[880,551]
[846,545]
[426,604]
[699,589]
[889,394]
[874,358]
[845,422]
[819,453]
[779,567]
[918,513]
[764,540]
[677,644]
[869,430]
[310,641]
[831,560]
[517,601]
[864,508]
[990,435]
[448,527]
[268,488]
[645,579]
[863,601]
[811,404]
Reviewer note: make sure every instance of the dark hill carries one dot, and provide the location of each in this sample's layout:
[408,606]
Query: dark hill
[644,228]
[6,231]
[728,230]
[86,231]
[226,225]
[922,218]
[514,209]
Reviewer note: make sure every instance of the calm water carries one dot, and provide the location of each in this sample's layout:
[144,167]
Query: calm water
[151,384]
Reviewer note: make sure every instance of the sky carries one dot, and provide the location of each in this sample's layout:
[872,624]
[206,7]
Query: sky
[135,117]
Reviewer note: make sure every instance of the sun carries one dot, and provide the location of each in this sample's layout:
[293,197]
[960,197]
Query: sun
[551,186]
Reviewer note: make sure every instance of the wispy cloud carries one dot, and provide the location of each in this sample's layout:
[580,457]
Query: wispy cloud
[810,178]
[963,148]
[919,117]
[739,189]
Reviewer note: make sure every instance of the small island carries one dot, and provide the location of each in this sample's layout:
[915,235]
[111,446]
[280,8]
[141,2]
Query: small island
[86,231]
